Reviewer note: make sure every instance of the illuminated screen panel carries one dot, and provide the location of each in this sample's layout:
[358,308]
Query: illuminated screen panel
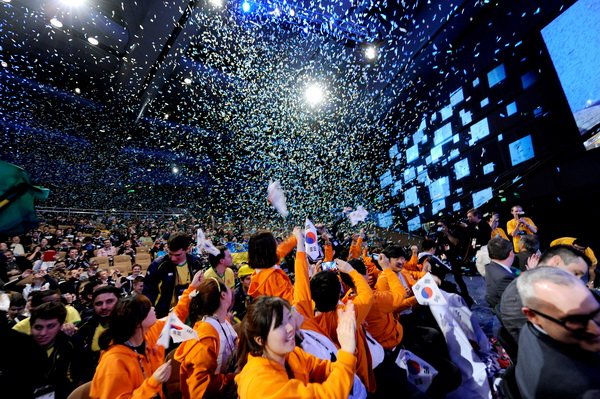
[414,223]
[521,150]
[482,196]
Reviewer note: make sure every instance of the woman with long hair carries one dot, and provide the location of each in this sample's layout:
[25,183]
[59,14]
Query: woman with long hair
[132,364]
[206,370]
[272,366]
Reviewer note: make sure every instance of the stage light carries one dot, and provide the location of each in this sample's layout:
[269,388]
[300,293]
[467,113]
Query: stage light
[187,81]
[56,23]
[371,53]
[77,90]
[314,94]
[216,3]
[4,64]
[246,6]
[175,170]
[93,41]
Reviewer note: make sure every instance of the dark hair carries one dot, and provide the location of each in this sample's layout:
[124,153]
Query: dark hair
[566,253]
[427,244]
[17,299]
[395,251]
[581,242]
[106,289]
[530,243]
[264,313]
[262,250]
[48,311]
[499,248]
[179,241]
[128,315]
[138,279]
[39,297]
[208,299]
[359,266]
[325,290]
[215,259]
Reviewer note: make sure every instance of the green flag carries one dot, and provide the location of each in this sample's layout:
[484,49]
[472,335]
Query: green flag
[17,194]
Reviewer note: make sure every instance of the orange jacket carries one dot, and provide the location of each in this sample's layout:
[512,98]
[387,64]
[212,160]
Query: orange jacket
[355,248]
[273,281]
[262,378]
[380,321]
[411,278]
[198,360]
[123,373]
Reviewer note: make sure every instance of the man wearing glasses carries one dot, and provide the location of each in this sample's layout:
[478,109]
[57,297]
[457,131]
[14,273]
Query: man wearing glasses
[559,347]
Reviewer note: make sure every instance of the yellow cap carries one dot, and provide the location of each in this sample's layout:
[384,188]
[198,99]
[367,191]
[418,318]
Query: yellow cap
[244,271]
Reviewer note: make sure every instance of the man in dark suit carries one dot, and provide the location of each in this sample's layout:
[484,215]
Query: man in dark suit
[498,273]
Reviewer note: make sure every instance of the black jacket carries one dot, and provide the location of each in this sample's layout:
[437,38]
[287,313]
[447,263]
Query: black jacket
[159,282]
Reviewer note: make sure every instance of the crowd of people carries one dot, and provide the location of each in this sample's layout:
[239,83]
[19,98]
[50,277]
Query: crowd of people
[274,319]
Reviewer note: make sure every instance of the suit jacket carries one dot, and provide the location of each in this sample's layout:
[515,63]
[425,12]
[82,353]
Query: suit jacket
[497,278]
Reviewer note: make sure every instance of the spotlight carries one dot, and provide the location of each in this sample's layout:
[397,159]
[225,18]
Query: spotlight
[93,41]
[175,170]
[77,90]
[56,23]
[314,94]
[246,6]
[371,53]
[187,81]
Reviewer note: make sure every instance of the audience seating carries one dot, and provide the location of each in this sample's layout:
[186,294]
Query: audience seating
[123,263]
[143,259]
[103,261]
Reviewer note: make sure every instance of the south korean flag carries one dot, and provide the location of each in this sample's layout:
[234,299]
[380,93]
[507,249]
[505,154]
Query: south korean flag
[427,292]
[311,244]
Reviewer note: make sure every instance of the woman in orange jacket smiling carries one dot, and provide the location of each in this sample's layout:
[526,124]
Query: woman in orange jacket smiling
[273,367]
[205,370]
[132,364]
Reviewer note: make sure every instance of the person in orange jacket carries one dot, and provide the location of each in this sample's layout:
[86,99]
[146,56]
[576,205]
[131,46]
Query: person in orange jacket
[264,256]
[205,370]
[131,365]
[272,366]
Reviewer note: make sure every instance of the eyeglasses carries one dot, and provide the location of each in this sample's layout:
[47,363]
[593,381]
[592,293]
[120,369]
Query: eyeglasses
[574,323]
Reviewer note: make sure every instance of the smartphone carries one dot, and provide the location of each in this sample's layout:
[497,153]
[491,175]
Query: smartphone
[329,266]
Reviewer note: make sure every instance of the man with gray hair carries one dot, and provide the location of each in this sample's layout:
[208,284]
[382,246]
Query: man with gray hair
[559,348]
[564,257]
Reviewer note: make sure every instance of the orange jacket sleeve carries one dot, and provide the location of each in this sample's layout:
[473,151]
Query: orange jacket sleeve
[355,248]
[286,247]
[182,310]
[383,285]
[364,296]
[328,252]
[396,294]
[412,264]
[372,269]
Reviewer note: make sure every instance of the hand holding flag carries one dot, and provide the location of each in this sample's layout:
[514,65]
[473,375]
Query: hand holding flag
[310,240]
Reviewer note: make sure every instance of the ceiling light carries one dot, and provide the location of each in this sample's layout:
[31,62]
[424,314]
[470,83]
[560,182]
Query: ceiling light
[93,41]
[73,3]
[371,53]
[246,6]
[56,23]
[187,81]
[314,94]
[175,170]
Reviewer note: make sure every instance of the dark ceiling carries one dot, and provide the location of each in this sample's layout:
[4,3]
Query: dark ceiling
[104,125]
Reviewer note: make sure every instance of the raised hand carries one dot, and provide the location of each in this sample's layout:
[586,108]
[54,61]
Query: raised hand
[346,328]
